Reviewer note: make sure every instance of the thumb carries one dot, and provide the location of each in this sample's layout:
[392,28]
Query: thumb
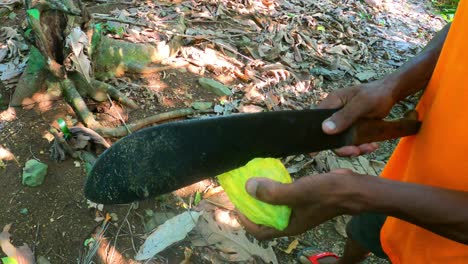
[270,191]
[343,118]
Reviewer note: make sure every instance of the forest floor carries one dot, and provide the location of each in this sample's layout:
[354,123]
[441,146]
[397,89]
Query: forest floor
[273,55]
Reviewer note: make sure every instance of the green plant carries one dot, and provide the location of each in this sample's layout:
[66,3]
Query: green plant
[446,8]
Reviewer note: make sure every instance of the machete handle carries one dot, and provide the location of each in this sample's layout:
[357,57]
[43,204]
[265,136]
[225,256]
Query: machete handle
[367,131]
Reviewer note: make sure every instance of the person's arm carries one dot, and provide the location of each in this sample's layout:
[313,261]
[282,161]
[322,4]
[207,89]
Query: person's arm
[316,199]
[415,74]
[375,99]
[439,210]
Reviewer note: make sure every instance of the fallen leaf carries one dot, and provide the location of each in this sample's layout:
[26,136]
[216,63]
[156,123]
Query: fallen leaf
[340,224]
[77,41]
[365,75]
[12,69]
[187,254]
[250,109]
[299,166]
[234,246]
[173,230]
[292,246]
[100,207]
[218,200]
[3,53]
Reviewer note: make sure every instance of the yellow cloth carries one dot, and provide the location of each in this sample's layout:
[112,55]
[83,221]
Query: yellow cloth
[438,155]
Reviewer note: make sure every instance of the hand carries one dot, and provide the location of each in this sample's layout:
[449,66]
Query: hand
[371,100]
[311,198]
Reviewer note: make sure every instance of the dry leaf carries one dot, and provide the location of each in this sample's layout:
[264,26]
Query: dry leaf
[173,230]
[357,164]
[77,41]
[340,224]
[233,245]
[292,246]
[250,109]
[12,69]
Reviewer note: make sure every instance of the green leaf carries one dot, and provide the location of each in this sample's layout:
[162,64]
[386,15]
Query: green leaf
[34,13]
[321,28]
[197,198]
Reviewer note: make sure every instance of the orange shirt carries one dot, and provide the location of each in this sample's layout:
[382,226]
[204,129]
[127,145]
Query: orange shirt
[438,155]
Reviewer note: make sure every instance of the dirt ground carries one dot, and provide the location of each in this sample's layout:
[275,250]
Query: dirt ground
[55,219]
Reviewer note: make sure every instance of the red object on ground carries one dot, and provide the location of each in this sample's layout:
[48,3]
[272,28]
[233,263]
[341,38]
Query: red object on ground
[315,258]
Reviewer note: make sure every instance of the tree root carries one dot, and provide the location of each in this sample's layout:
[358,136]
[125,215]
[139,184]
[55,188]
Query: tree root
[50,64]
[126,129]
[99,90]
[113,93]
[77,103]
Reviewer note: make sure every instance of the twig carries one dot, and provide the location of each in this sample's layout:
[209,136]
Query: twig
[121,119]
[30,150]
[118,232]
[131,236]
[35,239]
[122,130]
[167,32]
[106,18]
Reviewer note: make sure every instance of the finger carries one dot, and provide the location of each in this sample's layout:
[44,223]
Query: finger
[332,101]
[258,231]
[342,171]
[353,151]
[272,192]
[368,148]
[343,118]
[348,151]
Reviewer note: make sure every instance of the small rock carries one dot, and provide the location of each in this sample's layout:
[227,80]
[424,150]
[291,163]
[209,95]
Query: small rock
[24,211]
[214,86]
[34,173]
[202,105]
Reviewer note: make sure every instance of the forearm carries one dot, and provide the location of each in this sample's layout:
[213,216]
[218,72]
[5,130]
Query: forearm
[438,210]
[415,74]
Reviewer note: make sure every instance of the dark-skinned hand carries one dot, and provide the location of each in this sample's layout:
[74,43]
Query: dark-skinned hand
[371,100]
[311,199]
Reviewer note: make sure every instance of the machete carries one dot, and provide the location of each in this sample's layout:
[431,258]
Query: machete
[164,158]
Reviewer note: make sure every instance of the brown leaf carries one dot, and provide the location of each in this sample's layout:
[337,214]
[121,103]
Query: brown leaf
[233,245]
[292,246]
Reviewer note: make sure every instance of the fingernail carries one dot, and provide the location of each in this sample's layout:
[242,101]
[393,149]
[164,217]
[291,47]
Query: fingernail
[375,145]
[329,125]
[251,187]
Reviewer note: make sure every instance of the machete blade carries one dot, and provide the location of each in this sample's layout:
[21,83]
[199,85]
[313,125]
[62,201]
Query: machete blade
[164,158]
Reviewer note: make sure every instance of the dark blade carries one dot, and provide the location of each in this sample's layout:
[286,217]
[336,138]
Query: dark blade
[161,159]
